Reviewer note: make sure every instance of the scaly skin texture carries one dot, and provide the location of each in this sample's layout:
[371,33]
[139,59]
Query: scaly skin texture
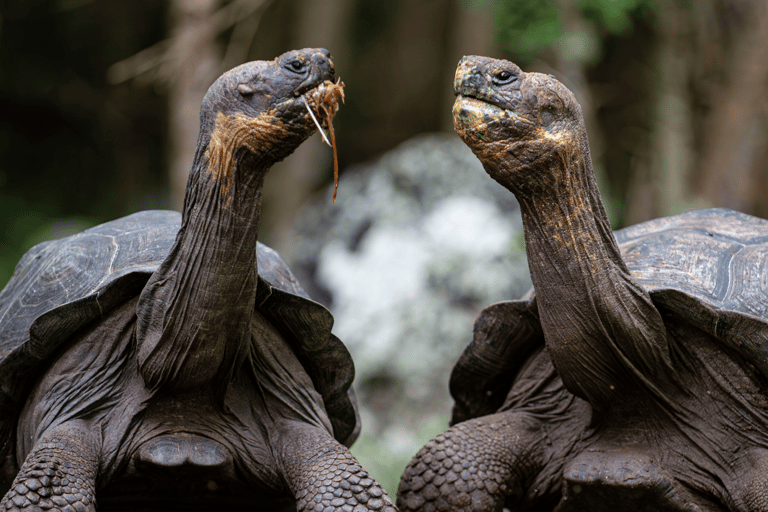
[475,465]
[513,458]
[59,474]
[214,382]
[673,376]
[753,494]
[326,477]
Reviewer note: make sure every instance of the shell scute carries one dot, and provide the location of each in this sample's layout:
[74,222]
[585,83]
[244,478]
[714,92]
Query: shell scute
[60,286]
[705,267]
[79,272]
[718,257]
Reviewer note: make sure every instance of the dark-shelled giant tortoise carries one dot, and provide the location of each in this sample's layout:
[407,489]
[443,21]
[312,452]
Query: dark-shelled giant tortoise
[165,361]
[635,378]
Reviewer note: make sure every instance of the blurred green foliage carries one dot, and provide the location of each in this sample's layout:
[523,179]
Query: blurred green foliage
[386,458]
[525,29]
[615,16]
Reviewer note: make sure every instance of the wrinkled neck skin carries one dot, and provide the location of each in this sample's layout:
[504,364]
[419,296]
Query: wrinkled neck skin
[194,314]
[606,338]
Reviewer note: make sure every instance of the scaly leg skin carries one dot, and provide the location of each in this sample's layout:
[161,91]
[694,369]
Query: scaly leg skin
[324,475]
[59,474]
[474,466]
[749,487]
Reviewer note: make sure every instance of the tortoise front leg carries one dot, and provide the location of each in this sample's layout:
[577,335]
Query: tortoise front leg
[512,458]
[324,475]
[59,474]
[476,465]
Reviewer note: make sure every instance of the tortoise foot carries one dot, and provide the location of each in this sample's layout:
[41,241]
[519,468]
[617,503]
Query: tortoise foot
[59,474]
[324,475]
[477,465]
[616,479]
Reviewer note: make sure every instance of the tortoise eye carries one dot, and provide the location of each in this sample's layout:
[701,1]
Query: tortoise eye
[297,66]
[504,77]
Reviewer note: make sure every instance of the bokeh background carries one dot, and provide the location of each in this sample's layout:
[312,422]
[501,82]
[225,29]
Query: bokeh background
[98,118]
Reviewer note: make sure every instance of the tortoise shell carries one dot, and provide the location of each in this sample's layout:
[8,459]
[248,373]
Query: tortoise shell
[704,267]
[60,286]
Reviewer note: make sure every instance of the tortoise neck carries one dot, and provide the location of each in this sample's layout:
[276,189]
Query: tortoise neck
[196,309]
[601,327]
[566,226]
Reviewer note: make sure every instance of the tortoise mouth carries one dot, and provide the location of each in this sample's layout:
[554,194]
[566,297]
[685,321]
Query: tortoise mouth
[470,106]
[323,100]
[310,86]
[486,121]
[472,111]
[312,106]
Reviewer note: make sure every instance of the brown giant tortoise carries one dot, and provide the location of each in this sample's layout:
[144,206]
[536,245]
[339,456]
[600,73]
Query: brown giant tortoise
[171,362]
[635,377]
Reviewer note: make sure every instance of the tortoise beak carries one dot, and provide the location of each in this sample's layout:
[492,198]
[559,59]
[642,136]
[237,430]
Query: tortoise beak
[321,70]
[470,78]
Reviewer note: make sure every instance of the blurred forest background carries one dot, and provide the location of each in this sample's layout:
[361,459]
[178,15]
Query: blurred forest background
[99,99]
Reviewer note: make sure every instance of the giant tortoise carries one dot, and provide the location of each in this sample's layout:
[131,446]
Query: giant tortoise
[165,361]
[634,375]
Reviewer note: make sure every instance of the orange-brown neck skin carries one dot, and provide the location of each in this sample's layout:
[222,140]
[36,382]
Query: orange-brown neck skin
[195,311]
[605,337]
[603,332]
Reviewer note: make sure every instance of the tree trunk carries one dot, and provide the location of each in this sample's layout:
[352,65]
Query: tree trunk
[733,138]
[194,39]
[672,152]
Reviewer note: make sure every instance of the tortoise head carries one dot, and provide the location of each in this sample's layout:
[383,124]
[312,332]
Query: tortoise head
[259,105]
[518,124]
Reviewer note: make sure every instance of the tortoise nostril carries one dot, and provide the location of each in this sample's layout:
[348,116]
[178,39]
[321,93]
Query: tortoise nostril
[473,81]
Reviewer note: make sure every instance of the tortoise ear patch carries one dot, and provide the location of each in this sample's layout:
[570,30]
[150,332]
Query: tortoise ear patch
[245,89]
